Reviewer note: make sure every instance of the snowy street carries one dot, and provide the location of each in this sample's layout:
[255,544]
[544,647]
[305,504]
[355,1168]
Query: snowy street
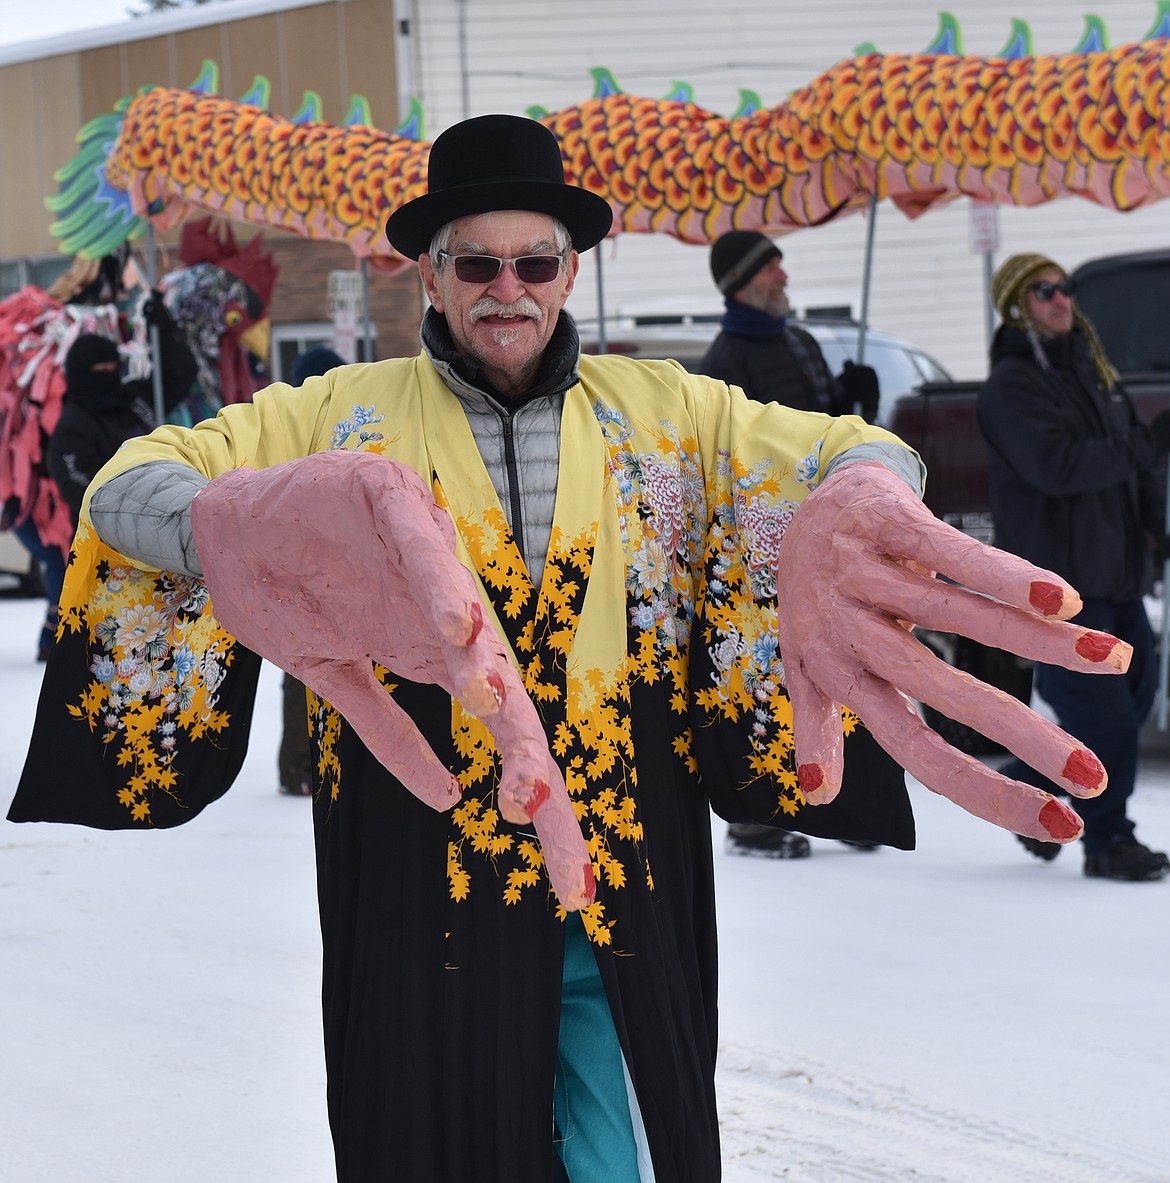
[960,1014]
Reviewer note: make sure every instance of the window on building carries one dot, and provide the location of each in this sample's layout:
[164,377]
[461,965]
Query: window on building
[42,270]
[290,339]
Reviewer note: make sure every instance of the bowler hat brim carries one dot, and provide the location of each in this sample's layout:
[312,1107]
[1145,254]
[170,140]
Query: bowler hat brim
[587,217]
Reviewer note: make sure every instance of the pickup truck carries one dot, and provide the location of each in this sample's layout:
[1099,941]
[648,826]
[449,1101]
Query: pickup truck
[1125,297]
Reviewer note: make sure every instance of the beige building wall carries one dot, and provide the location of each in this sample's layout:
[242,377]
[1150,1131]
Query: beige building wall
[336,49]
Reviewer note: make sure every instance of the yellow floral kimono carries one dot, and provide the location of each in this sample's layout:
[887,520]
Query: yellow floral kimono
[650,650]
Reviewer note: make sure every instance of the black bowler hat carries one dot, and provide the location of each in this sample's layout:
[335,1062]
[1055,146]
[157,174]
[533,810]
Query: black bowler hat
[497,162]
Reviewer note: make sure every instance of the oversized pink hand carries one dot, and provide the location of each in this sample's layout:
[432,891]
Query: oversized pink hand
[323,564]
[855,564]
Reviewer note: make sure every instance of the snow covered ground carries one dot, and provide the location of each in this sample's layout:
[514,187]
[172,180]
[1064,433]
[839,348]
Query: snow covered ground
[961,1014]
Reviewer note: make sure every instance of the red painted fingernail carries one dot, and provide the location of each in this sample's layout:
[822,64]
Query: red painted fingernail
[539,797]
[1096,646]
[1046,598]
[1060,821]
[811,777]
[1084,769]
[476,621]
[590,883]
[496,682]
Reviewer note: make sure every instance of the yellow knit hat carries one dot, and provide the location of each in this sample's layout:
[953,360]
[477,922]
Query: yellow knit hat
[1011,281]
[1008,286]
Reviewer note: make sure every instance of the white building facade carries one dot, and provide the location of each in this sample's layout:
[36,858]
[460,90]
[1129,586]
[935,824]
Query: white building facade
[469,57]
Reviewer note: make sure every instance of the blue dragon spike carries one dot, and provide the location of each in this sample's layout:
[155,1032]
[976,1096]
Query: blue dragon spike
[1161,26]
[259,93]
[949,38]
[680,92]
[310,109]
[604,83]
[414,125]
[1095,38]
[749,104]
[208,80]
[1019,42]
[358,114]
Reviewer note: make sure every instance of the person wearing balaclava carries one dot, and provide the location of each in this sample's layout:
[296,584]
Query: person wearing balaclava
[1073,489]
[100,411]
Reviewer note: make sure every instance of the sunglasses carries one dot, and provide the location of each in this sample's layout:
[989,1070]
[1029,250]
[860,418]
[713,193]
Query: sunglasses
[485,268]
[1046,291]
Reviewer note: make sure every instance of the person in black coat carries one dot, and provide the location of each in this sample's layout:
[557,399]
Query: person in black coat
[294,760]
[759,350]
[101,411]
[1074,489]
[775,362]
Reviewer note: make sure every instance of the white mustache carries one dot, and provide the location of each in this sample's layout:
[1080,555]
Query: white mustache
[490,306]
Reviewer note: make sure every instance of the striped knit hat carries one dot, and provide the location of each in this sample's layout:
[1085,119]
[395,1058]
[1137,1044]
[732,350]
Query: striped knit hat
[1011,281]
[1009,286]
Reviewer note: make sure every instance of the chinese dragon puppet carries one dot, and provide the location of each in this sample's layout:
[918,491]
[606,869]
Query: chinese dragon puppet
[919,129]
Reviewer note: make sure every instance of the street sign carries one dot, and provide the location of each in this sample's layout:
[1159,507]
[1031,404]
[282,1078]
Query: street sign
[344,305]
[983,227]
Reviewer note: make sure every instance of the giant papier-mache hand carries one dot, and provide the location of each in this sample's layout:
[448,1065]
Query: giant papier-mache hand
[325,563]
[856,569]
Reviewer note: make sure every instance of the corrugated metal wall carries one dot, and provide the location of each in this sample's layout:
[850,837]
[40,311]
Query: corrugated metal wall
[476,56]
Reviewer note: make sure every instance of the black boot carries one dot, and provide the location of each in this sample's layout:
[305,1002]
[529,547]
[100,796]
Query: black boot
[766,841]
[1044,850]
[1127,859]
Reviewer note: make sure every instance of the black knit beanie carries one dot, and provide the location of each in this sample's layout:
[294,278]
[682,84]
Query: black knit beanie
[314,362]
[89,350]
[737,256]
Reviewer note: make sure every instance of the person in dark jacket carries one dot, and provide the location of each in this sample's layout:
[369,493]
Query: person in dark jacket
[294,761]
[100,411]
[757,348]
[775,362]
[1073,489]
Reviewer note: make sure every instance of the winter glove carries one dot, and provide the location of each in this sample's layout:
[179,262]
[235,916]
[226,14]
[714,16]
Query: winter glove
[859,385]
[154,309]
[1160,430]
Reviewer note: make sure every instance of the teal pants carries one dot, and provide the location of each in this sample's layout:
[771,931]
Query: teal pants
[591,1110]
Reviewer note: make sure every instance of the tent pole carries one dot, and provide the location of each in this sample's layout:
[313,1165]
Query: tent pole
[602,347]
[367,332]
[867,276]
[155,341]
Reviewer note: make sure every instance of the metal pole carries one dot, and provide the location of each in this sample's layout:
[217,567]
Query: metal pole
[867,275]
[367,331]
[155,342]
[988,307]
[602,347]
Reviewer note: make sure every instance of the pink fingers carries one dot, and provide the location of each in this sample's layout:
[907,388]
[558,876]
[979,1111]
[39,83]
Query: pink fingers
[383,726]
[818,738]
[566,856]
[960,778]
[905,528]
[904,663]
[903,593]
